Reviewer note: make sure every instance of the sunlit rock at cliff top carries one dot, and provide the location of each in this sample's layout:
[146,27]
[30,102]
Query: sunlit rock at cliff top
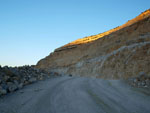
[121,52]
[95,37]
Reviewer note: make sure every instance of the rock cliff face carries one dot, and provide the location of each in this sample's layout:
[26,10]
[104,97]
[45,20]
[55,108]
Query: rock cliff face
[121,52]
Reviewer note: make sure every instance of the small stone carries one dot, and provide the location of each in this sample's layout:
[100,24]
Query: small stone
[142,75]
[31,80]
[16,82]
[147,82]
[139,84]
[143,83]
[41,78]
[4,86]
[20,85]
[133,84]
[37,90]
[21,92]
[135,80]
[26,82]
[145,86]
[2,91]
[70,75]
[6,78]
[11,87]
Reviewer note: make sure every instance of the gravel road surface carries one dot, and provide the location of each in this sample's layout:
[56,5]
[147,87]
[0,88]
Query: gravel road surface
[77,95]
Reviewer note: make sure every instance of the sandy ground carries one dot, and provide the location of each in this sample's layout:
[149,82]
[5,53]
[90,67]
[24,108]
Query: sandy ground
[77,95]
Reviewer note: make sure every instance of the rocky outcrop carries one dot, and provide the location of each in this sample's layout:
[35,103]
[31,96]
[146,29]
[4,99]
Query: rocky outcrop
[122,52]
[12,79]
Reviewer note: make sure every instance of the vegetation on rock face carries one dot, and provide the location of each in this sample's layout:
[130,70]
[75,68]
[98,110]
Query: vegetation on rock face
[12,79]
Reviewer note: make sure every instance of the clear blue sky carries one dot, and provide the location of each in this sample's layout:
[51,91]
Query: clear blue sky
[31,29]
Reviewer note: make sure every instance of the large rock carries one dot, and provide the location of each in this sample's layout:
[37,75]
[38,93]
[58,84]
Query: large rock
[118,53]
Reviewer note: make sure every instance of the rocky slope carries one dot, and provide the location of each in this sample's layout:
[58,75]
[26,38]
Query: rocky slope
[121,52]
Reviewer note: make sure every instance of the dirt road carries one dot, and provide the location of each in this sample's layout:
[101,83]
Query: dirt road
[77,95]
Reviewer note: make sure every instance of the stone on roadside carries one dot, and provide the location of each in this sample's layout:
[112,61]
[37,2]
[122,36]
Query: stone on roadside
[143,83]
[135,80]
[20,85]
[11,87]
[2,91]
[142,75]
[33,79]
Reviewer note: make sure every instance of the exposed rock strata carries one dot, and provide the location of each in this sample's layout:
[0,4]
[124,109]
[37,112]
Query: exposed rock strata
[119,53]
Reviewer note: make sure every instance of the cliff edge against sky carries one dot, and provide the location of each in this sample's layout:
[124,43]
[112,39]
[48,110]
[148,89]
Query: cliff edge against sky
[121,52]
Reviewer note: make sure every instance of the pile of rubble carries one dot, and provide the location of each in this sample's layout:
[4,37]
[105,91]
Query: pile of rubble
[141,81]
[12,79]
